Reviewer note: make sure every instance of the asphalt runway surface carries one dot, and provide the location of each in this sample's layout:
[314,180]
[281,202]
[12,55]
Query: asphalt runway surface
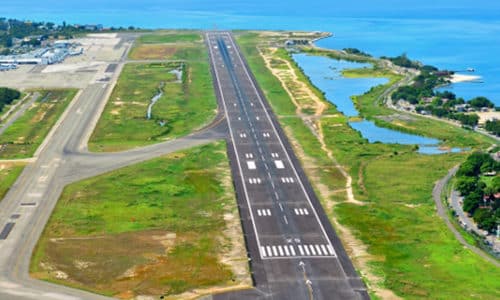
[294,251]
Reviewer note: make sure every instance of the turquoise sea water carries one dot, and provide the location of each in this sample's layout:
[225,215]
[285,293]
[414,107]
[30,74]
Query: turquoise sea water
[452,34]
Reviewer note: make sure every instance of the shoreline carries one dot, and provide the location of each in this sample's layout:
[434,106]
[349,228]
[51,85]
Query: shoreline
[457,78]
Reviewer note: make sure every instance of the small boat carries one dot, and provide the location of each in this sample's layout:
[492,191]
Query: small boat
[470,70]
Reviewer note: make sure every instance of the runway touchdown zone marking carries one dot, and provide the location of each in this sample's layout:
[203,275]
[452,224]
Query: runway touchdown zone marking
[264,212]
[301,211]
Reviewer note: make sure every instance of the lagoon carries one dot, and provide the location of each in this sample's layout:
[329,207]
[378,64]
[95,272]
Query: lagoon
[326,74]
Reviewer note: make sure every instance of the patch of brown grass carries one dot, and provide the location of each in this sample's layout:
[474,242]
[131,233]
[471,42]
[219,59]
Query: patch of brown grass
[153,52]
[129,264]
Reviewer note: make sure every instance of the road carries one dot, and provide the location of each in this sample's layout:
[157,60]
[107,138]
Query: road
[442,212]
[294,251]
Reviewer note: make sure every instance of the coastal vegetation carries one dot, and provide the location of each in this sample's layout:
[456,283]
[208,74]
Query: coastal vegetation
[26,134]
[388,223]
[159,234]
[355,51]
[423,99]
[186,99]
[403,61]
[479,184]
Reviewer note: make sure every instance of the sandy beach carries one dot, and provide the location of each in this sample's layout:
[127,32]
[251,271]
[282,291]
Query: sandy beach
[485,116]
[455,78]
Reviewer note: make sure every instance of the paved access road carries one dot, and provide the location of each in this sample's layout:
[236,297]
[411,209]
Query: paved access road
[294,252]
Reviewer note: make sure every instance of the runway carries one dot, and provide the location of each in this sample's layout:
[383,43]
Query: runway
[294,252]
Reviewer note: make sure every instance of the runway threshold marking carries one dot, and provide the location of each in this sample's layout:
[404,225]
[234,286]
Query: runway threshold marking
[289,250]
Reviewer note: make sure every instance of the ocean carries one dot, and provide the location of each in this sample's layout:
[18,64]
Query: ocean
[454,34]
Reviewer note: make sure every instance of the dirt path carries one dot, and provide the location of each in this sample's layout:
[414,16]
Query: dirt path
[304,98]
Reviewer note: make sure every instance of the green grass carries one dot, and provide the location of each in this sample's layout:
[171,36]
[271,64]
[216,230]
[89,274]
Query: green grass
[184,106]
[412,250]
[187,37]
[114,221]
[26,134]
[8,175]
[421,258]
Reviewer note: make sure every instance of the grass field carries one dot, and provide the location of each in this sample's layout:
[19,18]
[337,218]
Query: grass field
[24,136]
[170,37]
[184,106]
[8,174]
[161,233]
[166,45]
[409,249]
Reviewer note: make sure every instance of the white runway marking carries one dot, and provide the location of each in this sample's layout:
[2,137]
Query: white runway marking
[301,211]
[279,164]
[254,180]
[264,212]
[284,251]
[251,165]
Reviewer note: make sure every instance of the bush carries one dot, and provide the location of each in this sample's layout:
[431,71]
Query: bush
[8,95]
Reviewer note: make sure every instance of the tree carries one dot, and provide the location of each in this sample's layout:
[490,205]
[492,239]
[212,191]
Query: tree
[479,102]
[495,184]
[466,185]
[8,95]
[467,119]
[493,126]
[472,202]
[485,219]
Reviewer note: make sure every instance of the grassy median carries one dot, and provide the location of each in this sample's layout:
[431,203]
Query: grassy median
[27,133]
[8,175]
[390,229]
[160,233]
